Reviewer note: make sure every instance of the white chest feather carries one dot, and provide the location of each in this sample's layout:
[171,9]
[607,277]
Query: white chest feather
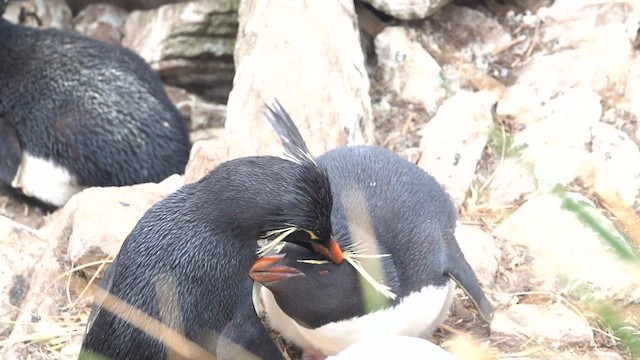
[419,314]
[45,180]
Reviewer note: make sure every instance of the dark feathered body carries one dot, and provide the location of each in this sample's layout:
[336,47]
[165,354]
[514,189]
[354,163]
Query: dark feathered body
[96,110]
[412,219]
[198,245]
[411,214]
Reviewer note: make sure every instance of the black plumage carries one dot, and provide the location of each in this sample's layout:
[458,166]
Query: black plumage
[197,247]
[96,110]
[381,195]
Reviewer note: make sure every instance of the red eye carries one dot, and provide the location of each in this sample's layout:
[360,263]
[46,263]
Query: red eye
[323,272]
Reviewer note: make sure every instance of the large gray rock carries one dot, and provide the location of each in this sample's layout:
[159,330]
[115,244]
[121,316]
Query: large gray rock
[205,156]
[586,44]
[41,311]
[481,252]
[94,223]
[470,31]
[21,247]
[569,255]
[556,326]
[51,13]
[189,44]
[615,163]
[77,5]
[104,22]
[312,63]
[408,9]
[205,119]
[556,144]
[453,141]
[408,71]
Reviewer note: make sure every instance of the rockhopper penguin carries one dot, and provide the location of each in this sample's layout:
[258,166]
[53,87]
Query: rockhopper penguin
[385,205]
[185,263]
[76,112]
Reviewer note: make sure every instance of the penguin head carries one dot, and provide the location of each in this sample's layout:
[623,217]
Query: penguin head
[314,292]
[305,216]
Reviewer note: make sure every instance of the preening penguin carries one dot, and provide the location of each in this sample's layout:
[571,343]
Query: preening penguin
[185,263]
[382,205]
[76,112]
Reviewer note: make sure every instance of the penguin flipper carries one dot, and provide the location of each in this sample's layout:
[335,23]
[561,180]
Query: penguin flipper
[458,269]
[10,151]
[246,338]
[288,132]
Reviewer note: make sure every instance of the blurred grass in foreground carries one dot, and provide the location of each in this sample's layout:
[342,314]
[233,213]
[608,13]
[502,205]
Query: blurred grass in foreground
[608,315]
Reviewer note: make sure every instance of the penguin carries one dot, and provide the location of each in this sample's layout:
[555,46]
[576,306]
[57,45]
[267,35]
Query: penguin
[76,112]
[393,347]
[184,266]
[396,210]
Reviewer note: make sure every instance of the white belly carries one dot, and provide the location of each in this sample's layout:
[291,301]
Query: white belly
[394,347]
[45,180]
[419,314]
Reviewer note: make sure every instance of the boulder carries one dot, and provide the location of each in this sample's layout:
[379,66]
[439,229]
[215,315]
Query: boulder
[316,71]
[104,22]
[189,44]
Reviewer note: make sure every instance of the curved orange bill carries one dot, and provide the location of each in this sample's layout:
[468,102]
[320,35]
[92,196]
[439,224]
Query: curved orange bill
[268,270]
[333,253]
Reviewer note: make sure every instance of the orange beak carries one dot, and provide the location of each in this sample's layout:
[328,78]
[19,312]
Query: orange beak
[267,270]
[333,253]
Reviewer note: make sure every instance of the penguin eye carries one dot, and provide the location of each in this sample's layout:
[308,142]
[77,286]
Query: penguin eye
[312,235]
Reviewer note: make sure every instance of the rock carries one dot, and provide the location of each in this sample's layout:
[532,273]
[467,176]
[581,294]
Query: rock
[480,250]
[189,44]
[616,163]
[510,182]
[408,69]
[469,46]
[555,145]
[632,92]
[42,310]
[204,118]
[317,73]
[104,22]
[587,45]
[21,247]
[206,155]
[566,253]
[94,223]
[520,103]
[556,326]
[453,141]
[408,9]
[129,5]
[50,13]
[471,32]
[606,354]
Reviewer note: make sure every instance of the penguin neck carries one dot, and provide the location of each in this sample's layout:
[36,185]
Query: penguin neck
[431,303]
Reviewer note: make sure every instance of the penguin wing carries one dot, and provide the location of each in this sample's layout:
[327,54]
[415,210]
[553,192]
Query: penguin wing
[458,269]
[288,132]
[10,151]
[246,338]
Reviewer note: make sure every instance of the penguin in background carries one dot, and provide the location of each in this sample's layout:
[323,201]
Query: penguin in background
[185,263]
[391,208]
[76,112]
